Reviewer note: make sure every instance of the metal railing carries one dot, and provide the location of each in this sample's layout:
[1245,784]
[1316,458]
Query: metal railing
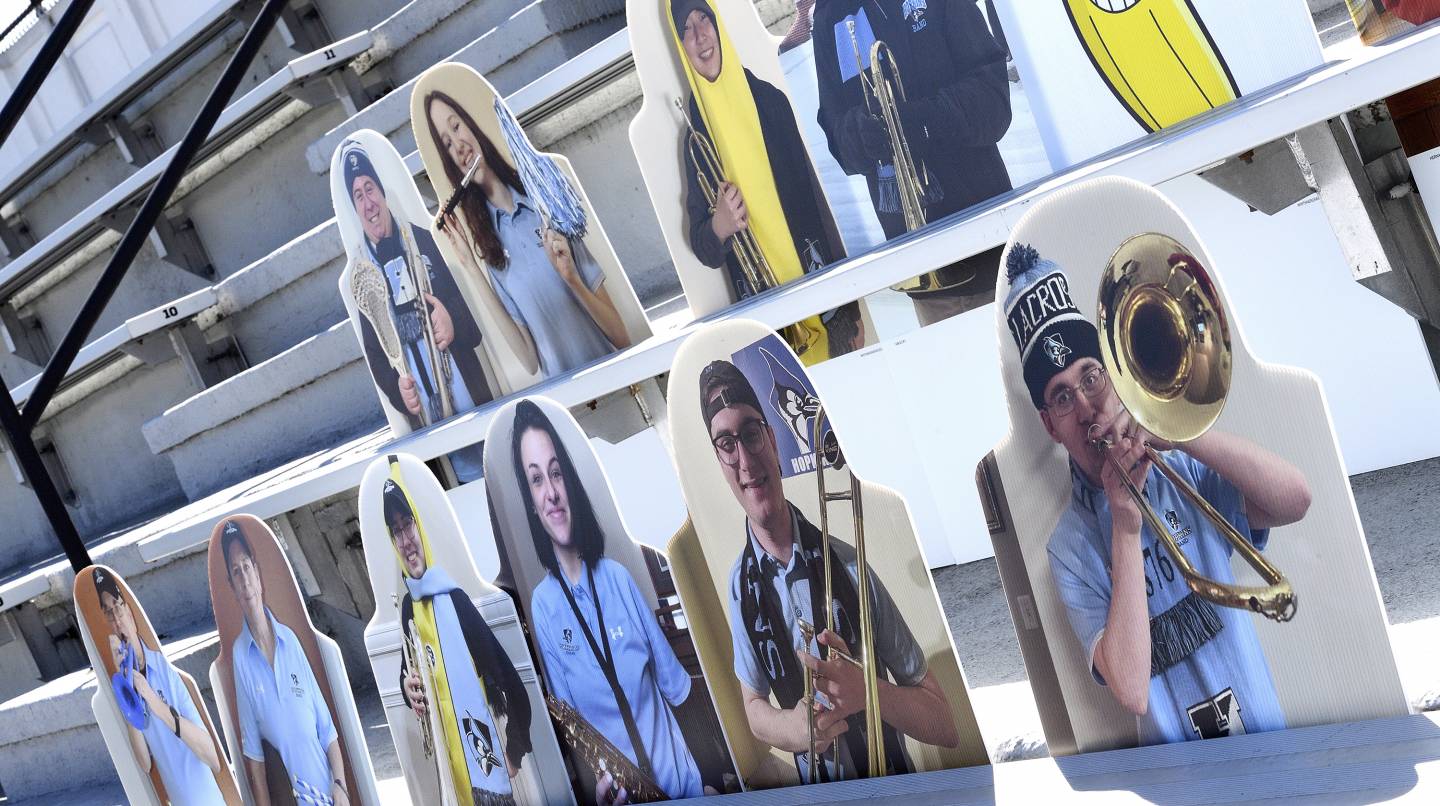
[19,424]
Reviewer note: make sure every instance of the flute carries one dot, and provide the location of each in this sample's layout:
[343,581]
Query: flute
[454,200]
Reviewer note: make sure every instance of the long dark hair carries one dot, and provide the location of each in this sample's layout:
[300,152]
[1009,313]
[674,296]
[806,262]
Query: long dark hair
[585,530]
[474,207]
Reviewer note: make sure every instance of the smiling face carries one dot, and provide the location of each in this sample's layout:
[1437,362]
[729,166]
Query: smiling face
[1073,430]
[546,482]
[702,44]
[406,537]
[245,581]
[460,144]
[751,466]
[373,209]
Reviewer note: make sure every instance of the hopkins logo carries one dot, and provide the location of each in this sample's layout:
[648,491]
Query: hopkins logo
[1178,530]
[1056,350]
[481,745]
[567,641]
[914,12]
[295,685]
[617,632]
[797,406]
[354,160]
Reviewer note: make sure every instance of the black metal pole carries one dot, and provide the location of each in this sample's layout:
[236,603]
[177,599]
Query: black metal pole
[23,445]
[150,210]
[39,69]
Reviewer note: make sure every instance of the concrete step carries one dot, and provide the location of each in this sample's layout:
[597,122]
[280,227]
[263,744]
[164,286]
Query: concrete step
[538,37]
[48,737]
[308,398]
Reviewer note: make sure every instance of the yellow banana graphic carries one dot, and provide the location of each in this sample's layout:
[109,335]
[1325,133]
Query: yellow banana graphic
[1156,56]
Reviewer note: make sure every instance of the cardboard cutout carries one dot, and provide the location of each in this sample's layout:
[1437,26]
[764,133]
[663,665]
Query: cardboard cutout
[460,690]
[550,494]
[739,201]
[1076,567]
[425,367]
[287,711]
[550,292]
[151,714]
[1379,20]
[746,454]
[1101,73]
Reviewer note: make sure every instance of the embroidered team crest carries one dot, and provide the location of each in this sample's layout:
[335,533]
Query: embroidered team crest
[354,160]
[1217,716]
[568,635]
[1055,348]
[914,13]
[617,632]
[480,743]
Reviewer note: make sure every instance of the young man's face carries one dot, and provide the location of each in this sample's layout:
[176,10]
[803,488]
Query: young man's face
[1072,429]
[245,581]
[118,616]
[702,44]
[459,142]
[406,536]
[751,466]
[372,208]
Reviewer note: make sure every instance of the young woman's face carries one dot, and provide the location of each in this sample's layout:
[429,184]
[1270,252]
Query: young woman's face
[461,144]
[546,482]
[702,44]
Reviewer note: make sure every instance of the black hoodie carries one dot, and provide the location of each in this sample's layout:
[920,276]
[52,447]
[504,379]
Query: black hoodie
[958,96]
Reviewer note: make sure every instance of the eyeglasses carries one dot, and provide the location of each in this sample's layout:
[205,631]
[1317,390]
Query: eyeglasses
[752,436]
[113,613]
[1092,385]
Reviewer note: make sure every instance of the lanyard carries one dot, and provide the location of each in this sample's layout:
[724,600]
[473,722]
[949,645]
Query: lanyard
[607,664]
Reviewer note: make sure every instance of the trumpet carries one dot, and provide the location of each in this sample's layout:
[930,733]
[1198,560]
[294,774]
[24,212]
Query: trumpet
[409,644]
[602,754]
[828,451]
[1165,342]
[442,405]
[706,159]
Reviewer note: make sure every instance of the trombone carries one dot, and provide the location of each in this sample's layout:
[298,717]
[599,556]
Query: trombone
[711,173]
[1165,342]
[828,451]
[883,89]
[886,92]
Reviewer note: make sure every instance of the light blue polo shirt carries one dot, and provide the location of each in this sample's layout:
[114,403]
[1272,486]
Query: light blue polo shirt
[1221,685]
[283,705]
[646,666]
[187,780]
[564,333]
[894,644]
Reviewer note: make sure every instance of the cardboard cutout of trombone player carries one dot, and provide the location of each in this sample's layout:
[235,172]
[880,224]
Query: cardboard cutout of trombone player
[754,450]
[1247,607]
[150,713]
[730,176]
[281,686]
[460,690]
[625,685]
[421,337]
[548,288]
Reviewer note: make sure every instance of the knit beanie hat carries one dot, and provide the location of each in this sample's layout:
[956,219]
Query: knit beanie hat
[1048,328]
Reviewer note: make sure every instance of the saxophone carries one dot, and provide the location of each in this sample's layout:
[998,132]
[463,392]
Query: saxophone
[601,754]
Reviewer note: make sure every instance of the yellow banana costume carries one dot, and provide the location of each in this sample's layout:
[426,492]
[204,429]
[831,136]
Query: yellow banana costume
[733,123]
[1156,56]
